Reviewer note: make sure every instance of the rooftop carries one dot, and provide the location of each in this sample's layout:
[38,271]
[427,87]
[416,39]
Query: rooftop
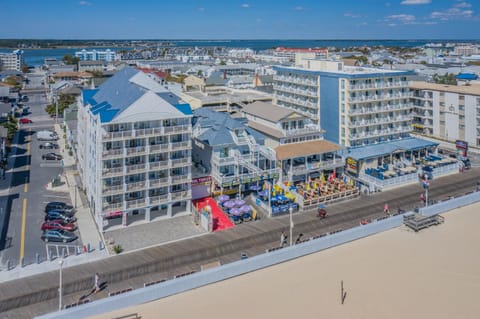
[305,149]
[268,111]
[461,89]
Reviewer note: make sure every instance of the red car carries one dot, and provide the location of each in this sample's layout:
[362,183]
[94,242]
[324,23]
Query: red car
[58,224]
[24,120]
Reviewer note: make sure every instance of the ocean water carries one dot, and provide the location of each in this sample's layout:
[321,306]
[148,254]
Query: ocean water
[36,57]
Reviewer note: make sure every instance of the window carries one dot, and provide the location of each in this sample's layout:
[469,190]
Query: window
[462,127]
[461,107]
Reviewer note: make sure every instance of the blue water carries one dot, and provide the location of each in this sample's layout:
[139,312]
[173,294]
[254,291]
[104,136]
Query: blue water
[36,57]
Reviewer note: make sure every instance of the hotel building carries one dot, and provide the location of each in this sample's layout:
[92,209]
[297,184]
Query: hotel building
[448,112]
[94,55]
[12,61]
[134,149]
[355,106]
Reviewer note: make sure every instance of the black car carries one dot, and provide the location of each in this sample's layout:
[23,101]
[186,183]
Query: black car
[53,214]
[58,235]
[52,157]
[48,146]
[59,206]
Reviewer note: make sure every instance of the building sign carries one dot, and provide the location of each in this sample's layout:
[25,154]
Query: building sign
[206,180]
[352,165]
[462,147]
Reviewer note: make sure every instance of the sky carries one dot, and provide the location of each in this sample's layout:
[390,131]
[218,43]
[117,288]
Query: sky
[240,19]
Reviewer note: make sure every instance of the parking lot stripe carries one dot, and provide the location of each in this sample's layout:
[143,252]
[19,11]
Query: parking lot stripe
[22,236]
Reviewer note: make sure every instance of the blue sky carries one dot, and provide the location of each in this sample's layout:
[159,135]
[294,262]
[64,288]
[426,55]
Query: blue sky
[241,19]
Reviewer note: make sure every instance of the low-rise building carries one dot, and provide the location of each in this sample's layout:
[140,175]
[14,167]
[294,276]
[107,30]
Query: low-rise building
[231,152]
[134,150]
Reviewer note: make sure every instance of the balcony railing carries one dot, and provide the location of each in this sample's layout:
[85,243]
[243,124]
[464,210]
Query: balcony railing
[136,150]
[114,171]
[381,85]
[154,200]
[158,148]
[113,189]
[117,135]
[164,181]
[135,203]
[118,152]
[113,206]
[135,186]
[180,162]
[181,179]
[157,165]
[180,195]
[223,160]
[178,146]
[135,168]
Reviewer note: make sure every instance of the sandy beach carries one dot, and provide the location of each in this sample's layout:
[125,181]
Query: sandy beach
[396,274]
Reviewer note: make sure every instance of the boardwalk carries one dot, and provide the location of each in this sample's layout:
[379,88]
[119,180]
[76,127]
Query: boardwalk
[38,294]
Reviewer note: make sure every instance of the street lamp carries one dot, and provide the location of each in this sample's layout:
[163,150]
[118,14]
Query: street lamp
[291,225]
[56,109]
[60,262]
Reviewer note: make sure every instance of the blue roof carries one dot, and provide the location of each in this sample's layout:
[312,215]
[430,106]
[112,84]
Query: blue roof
[87,96]
[219,126]
[184,108]
[467,76]
[382,149]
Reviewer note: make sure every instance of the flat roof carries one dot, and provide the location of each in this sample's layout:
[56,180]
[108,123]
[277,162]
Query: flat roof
[473,89]
[268,111]
[382,149]
[266,129]
[305,149]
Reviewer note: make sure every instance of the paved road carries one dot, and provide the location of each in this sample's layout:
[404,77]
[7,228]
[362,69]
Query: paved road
[163,262]
[27,193]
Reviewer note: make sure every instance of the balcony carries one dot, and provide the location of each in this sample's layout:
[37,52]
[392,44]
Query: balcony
[138,150]
[136,203]
[113,153]
[112,172]
[113,206]
[148,132]
[159,182]
[180,162]
[181,179]
[180,195]
[158,148]
[122,135]
[113,189]
[158,165]
[223,160]
[378,85]
[160,199]
[135,168]
[179,146]
[135,186]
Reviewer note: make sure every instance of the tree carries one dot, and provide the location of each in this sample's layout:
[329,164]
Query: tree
[69,59]
[11,125]
[64,102]
[14,81]
[223,63]
[25,68]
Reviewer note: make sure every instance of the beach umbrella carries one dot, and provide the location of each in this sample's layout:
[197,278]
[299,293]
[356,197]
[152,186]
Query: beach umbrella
[229,204]
[246,209]
[255,188]
[263,193]
[235,211]
[223,198]
[322,177]
[239,202]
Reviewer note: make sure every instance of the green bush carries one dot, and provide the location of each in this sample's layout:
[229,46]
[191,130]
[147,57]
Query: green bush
[117,249]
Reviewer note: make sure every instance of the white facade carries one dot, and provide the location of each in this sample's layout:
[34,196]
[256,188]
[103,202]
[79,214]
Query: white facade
[12,61]
[447,111]
[94,55]
[138,163]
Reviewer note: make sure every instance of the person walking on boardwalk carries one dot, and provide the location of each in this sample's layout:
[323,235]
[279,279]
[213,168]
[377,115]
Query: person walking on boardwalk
[386,209]
[283,239]
[96,284]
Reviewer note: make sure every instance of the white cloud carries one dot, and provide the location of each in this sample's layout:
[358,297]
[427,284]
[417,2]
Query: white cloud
[351,15]
[245,5]
[84,3]
[298,8]
[409,2]
[452,13]
[403,18]
[462,5]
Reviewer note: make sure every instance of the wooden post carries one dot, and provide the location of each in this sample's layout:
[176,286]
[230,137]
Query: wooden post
[343,294]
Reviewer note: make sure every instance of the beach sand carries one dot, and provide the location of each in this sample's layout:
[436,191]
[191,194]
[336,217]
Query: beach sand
[434,273]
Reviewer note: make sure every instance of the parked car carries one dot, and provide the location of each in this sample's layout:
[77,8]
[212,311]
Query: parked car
[47,136]
[52,157]
[53,214]
[59,206]
[24,120]
[58,224]
[58,235]
[48,146]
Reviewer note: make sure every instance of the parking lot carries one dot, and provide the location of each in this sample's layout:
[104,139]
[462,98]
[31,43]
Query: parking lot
[27,192]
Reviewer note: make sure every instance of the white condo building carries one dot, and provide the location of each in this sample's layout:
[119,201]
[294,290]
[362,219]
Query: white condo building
[12,61]
[134,149]
[355,106]
[94,55]
[448,112]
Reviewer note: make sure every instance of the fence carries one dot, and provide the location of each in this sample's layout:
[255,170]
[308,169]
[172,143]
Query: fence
[274,256]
